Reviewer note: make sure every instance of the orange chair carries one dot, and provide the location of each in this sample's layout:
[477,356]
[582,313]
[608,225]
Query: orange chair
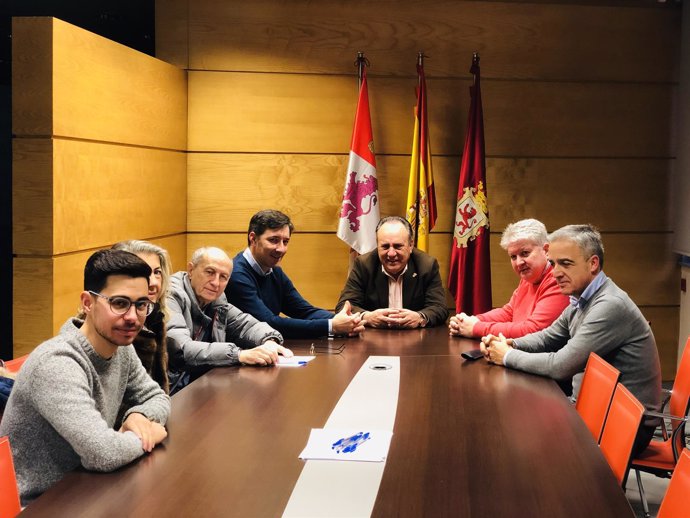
[9,495]
[675,503]
[15,365]
[661,456]
[620,430]
[593,401]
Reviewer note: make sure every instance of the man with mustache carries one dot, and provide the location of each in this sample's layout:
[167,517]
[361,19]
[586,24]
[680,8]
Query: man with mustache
[65,402]
[396,285]
[205,330]
[261,288]
[601,318]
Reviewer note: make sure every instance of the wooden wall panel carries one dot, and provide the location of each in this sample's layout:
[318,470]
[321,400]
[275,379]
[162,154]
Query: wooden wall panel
[616,195]
[105,193]
[225,189]
[68,283]
[119,174]
[665,327]
[108,92]
[517,40]
[291,113]
[172,35]
[32,302]
[32,194]
[32,81]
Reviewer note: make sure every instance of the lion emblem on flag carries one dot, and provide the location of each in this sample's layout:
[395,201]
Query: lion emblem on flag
[471,215]
[359,199]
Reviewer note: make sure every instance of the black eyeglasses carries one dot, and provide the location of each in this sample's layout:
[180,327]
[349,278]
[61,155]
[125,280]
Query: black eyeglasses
[121,305]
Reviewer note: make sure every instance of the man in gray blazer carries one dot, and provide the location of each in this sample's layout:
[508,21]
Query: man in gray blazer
[601,318]
[396,285]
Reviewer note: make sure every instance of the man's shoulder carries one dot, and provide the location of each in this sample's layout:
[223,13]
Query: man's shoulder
[177,280]
[611,298]
[64,345]
[239,262]
[422,260]
[369,260]
[177,285]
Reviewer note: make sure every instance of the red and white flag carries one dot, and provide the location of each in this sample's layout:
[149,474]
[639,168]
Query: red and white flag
[359,212]
[469,279]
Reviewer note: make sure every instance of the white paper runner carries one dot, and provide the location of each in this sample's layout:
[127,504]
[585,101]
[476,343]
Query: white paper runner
[348,489]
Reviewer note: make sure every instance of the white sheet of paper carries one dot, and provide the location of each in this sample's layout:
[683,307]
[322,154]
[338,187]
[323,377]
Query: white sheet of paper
[359,445]
[294,361]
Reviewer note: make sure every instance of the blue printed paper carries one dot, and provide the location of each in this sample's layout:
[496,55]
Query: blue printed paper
[357,445]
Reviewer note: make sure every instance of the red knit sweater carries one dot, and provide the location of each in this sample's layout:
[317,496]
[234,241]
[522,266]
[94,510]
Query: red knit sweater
[532,307]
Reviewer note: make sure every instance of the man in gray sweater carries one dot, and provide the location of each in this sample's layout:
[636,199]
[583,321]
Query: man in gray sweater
[63,408]
[205,330]
[601,318]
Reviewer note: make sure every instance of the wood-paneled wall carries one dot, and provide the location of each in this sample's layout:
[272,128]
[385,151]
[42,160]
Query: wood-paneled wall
[99,140]
[577,98]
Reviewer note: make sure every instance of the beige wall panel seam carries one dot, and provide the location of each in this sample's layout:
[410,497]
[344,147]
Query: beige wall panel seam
[226,189]
[295,114]
[104,193]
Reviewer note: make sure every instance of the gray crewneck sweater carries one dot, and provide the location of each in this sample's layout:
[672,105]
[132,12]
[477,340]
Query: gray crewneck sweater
[63,407]
[611,325]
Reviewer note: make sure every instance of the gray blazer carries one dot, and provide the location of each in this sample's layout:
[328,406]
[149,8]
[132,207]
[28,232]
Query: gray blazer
[232,329]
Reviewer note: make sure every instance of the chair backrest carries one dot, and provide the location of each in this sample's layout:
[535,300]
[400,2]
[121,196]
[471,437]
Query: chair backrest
[15,365]
[675,503]
[620,431]
[593,401]
[9,495]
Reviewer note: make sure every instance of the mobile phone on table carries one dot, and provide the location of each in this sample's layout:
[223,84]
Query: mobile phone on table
[473,354]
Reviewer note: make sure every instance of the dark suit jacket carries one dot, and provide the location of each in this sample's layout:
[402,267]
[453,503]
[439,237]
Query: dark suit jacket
[367,286]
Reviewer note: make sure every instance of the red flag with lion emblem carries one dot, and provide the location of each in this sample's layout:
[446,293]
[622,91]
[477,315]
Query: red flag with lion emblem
[359,212]
[469,279]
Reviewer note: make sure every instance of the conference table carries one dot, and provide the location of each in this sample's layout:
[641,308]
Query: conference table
[470,439]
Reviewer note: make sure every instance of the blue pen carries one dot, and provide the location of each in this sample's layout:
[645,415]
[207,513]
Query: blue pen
[301,363]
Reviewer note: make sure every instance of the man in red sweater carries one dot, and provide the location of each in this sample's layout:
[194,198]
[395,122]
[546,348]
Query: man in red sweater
[536,302]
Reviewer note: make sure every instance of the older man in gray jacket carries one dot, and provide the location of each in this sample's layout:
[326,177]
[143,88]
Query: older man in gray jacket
[206,331]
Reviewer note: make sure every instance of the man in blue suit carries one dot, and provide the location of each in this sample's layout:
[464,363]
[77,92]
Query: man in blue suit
[259,286]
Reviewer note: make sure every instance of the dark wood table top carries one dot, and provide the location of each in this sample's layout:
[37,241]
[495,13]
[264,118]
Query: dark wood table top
[470,439]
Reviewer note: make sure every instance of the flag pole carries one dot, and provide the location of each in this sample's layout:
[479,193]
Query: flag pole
[360,63]
[475,64]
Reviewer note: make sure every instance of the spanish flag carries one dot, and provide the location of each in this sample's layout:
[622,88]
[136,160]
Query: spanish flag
[421,198]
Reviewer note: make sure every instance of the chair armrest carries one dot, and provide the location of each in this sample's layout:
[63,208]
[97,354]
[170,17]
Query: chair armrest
[664,416]
[680,429]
